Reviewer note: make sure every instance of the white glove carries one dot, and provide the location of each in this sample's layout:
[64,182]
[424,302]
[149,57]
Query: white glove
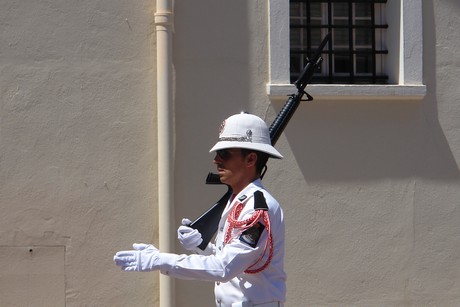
[144,257]
[188,237]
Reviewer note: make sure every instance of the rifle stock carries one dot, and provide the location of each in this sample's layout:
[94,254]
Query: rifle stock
[208,222]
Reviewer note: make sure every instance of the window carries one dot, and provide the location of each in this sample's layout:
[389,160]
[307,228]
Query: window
[380,55]
[358,27]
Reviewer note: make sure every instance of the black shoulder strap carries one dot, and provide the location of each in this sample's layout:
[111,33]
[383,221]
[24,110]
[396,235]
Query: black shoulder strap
[259,201]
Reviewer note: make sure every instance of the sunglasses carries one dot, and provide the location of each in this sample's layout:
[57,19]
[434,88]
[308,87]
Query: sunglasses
[225,154]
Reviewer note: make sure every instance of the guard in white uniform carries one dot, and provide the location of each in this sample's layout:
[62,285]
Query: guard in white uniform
[246,262]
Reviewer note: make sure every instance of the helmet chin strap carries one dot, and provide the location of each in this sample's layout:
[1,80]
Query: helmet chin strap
[264,170]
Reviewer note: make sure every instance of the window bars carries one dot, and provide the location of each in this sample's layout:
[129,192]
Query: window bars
[358,49]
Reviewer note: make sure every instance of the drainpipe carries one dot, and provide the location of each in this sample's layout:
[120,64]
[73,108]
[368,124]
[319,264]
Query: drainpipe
[163,25]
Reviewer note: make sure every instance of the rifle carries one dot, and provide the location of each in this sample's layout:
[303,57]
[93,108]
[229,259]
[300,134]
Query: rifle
[208,222]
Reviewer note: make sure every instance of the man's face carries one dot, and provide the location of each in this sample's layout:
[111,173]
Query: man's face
[232,167]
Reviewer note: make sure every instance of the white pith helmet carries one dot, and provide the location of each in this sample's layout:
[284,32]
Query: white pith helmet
[245,131]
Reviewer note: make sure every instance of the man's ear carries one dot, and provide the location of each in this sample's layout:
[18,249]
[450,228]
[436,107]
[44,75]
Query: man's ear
[251,159]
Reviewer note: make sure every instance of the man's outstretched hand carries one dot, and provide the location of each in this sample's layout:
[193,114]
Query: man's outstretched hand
[144,258]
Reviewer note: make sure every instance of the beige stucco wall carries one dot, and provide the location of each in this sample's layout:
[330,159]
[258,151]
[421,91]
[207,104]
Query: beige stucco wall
[77,150]
[370,189]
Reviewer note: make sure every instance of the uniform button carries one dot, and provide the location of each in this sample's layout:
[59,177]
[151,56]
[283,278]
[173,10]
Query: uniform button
[218,283]
[220,248]
[221,229]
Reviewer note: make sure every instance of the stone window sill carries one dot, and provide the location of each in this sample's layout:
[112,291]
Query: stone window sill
[350,91]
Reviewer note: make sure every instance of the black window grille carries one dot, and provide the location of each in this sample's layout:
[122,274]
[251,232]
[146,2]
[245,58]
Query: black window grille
[356,52]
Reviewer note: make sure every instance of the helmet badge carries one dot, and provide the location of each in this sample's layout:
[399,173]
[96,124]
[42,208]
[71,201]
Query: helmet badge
[222,127]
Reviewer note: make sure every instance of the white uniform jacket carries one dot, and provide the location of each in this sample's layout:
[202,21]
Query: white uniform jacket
[225,263]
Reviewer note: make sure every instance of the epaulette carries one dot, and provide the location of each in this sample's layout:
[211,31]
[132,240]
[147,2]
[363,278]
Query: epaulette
[259,201]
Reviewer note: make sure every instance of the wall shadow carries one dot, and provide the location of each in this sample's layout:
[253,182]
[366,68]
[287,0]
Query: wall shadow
[375,139]
[212,82]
